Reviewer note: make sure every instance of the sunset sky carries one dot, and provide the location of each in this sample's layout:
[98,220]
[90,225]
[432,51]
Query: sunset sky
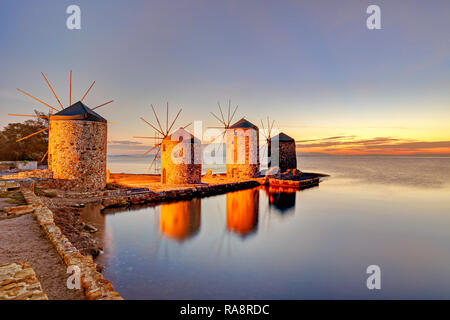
[312,66]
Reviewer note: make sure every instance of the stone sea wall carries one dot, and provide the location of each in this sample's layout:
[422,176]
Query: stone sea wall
[42,174]
[94,286]
[17,211]
[301,184]
[180,194]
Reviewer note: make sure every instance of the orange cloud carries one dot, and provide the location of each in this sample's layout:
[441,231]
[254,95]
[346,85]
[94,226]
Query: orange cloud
[351,145]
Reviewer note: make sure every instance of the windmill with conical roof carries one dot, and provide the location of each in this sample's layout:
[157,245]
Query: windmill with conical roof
[52,109]
[280,148]
[178,151]
[242,156]
[77,141]
[285,156]
[160,133]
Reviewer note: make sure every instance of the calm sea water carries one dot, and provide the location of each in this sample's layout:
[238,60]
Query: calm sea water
[264,244]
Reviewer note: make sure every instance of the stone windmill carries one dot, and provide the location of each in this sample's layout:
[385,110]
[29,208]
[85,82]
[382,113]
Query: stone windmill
[242,155]
[77,141]
[179,152]
[286,154]
[280,148]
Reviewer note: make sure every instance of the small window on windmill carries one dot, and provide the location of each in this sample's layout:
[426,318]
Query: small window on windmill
[164,147]
[180,153]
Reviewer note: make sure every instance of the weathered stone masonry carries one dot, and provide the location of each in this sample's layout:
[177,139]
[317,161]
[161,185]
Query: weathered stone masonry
[242,156]
[181,161]
[285,157]
[77,152]
[94,286]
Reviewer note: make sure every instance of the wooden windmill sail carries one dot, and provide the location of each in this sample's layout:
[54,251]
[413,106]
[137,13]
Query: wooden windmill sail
[51,108]
[160,134]
[267,133]
[225,123]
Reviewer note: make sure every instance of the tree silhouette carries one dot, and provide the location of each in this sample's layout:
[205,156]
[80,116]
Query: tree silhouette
[30,149]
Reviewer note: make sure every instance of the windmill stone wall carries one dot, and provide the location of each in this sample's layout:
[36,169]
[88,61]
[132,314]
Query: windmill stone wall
[77,149]
[242,154]
[181,159]
[286,154]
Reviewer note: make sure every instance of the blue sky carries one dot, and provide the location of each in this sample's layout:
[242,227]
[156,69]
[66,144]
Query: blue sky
[313,66]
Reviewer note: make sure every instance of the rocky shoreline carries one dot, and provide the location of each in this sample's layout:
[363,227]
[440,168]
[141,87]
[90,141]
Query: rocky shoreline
[77,231]
[94,286]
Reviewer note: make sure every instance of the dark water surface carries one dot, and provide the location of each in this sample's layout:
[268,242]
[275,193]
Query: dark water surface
[316,243]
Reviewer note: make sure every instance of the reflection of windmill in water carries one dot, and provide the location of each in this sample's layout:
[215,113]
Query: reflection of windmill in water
[242,211]
[181,220]
[161,133]
[281,198]
[177,221]
[52,109]
[242,217]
